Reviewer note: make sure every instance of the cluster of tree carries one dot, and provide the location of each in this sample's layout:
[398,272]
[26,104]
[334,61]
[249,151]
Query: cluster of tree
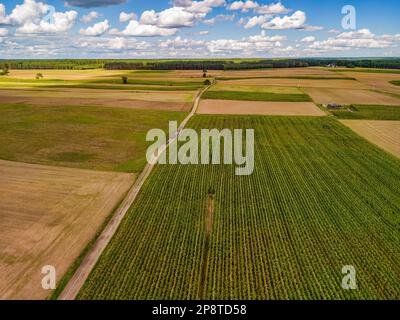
[244,64]
[4,69]
[379,63]
[65,64]
[266,64]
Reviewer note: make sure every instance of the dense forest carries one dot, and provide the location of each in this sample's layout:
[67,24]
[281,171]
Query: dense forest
[217,64]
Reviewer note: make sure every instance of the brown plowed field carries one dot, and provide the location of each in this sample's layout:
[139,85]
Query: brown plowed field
[385,134]
[26,97]
[346,96]
[47,217]
[302,83]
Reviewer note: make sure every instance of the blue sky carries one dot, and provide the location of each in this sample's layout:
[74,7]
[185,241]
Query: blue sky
[202,28]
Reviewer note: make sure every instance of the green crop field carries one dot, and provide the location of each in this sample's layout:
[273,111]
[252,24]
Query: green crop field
[221,86]
[395,82]
[284,232]
[368,112]
[97,138]
[256,96]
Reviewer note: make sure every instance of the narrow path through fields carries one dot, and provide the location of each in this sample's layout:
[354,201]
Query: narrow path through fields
[78,279]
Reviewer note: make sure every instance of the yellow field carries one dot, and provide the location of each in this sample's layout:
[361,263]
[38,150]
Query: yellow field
[385,134]
[306,83]
[350,96]
[47,217]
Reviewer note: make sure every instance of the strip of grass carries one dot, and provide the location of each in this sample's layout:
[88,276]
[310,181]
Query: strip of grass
[255,96]
[220,86]
[395,82]
[368,112]
[98,138]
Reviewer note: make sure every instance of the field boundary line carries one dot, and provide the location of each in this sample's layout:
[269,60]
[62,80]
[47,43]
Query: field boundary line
[76,282]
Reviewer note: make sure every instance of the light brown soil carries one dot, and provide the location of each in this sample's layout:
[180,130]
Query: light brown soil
[47,217]
[302,83]
[64,74]
[283,72]
[346,96]
[385,134]
[70,99]
[377,81]
[259,107]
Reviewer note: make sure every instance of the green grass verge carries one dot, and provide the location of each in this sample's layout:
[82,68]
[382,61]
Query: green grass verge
[255,96]
[368,112]
[395,82]
[285,232]
[110,139]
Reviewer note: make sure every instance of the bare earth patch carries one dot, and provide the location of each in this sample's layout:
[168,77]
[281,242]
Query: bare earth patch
[350,96]
[282,72]
[259,108]
[69,98]
[47,217]
[65,74]
[377,81]
[385,134]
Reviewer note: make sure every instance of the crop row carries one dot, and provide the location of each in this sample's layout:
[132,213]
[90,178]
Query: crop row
[320,198]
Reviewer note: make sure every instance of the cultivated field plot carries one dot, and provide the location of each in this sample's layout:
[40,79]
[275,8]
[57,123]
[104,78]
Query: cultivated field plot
[257,107]
[368,112]
[300,83]
[110,139]
[284,232]
[47,217]
[350,96]
[221,86]
[281,72]
[64,74]
[377,81]
[153,100]
[385,134]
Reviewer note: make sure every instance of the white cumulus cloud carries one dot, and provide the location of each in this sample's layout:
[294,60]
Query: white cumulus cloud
[125,17]
[97,29]
[87,18]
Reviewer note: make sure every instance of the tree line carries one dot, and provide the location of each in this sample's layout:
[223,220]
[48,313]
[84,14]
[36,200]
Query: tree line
[243,64]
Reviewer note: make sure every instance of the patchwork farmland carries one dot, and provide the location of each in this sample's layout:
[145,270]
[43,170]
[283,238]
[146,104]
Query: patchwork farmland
[324,192]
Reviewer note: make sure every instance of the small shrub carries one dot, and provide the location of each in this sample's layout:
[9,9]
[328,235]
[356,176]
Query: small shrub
[125,80]
[207,82]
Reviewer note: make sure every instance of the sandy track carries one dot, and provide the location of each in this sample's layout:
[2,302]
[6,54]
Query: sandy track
[259,108]
[385,134]
[47,217]
[346,96]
